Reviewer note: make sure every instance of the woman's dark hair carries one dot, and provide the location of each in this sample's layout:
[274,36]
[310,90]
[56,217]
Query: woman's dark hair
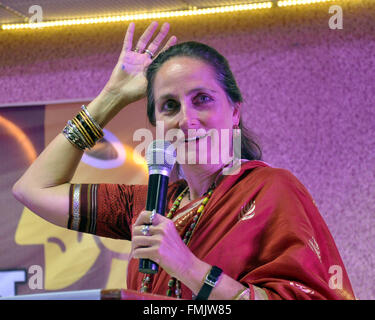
[249,148]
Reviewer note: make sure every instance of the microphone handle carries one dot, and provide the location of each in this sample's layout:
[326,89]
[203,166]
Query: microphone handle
[156,199]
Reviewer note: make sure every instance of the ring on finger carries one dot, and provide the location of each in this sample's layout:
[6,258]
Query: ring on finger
[137,50]
[152,216]
[145,230]
[151,55]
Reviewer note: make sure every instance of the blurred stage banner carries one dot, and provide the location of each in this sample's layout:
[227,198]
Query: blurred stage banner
[36,256]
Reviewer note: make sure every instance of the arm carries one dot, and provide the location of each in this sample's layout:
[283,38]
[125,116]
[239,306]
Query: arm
[44,187]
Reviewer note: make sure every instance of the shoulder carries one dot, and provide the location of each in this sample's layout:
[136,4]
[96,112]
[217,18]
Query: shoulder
[268,174]
[279,181]
[274,175]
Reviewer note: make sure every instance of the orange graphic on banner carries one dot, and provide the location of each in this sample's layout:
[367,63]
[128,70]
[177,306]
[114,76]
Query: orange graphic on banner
[21,138]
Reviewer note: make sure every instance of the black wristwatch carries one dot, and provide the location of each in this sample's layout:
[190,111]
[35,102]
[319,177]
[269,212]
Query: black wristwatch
[209,283]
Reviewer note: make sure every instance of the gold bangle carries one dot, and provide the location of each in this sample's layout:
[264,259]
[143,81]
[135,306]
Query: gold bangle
[83,132]
[92,120]
[243,294]
[91,125]
[87,127]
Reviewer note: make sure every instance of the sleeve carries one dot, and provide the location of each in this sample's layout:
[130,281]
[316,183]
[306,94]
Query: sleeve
[293,253]
[106,210]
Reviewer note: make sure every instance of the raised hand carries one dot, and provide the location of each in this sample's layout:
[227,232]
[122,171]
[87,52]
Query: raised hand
[128,79]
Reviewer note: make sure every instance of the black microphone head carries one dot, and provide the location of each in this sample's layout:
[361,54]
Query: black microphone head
[161,157]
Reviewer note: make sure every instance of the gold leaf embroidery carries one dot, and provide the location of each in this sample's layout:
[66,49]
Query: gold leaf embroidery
[315,247]
[247,211]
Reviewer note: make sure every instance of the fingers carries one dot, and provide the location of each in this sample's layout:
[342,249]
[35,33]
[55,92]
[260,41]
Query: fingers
[147,217]
[146,252]
[145,246]
[171,42]
[155,44]
[159,226]
[159,242]
[143,41]
[128,41]
[140,233]
[146,36]
[145,230]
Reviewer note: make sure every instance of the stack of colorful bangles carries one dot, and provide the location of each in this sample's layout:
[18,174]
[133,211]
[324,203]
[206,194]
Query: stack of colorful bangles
[83,131]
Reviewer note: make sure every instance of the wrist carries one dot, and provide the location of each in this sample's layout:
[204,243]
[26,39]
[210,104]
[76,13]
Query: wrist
[106,106]
[195,274]
[210,281]
[114,99]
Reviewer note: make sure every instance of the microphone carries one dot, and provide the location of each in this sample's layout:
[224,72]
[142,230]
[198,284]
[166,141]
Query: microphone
[160,158]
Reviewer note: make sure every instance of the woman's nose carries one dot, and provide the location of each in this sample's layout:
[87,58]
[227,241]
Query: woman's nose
[188,117]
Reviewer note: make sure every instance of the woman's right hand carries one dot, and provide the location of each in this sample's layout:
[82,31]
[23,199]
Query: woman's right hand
[128,82]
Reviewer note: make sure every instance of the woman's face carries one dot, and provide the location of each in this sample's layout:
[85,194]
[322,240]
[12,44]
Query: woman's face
[189,98]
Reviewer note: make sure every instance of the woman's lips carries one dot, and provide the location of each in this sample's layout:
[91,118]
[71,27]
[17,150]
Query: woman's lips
[196,138]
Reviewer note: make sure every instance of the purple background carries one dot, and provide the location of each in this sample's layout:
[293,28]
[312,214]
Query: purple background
[308,90]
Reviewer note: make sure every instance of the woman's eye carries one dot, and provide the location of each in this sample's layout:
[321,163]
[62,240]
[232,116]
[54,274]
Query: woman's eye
[169,105]
[202,98]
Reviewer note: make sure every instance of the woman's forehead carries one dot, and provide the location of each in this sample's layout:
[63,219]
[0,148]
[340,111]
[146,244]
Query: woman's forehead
[184,72]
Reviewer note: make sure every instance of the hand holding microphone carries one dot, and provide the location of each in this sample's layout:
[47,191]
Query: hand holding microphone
[160,157]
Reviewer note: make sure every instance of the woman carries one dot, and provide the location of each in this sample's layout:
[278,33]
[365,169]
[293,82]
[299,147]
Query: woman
[254,234]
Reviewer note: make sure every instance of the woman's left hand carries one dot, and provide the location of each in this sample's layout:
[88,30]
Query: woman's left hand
[162,244]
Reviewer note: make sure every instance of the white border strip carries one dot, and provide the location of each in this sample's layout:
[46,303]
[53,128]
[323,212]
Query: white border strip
[39,103]
[94,294]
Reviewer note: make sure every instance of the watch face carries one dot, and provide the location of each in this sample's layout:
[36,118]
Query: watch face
[213,276]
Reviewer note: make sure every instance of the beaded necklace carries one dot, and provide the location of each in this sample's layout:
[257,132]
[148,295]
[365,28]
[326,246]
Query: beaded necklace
[173,283]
